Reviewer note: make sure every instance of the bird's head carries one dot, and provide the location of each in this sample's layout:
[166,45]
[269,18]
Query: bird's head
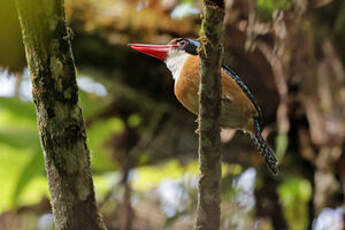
[164,52]
[173,54]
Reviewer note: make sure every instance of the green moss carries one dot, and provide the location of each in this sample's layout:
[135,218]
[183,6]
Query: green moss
[75,114]
[68,93]
[83,190]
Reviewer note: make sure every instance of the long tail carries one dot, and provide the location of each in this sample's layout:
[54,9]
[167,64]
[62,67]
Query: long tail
[265,150]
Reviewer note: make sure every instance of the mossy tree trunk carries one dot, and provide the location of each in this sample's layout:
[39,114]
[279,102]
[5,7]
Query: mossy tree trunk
[61,125]
[210,158]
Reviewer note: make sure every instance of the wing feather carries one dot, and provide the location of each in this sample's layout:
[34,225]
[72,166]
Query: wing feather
[245,89]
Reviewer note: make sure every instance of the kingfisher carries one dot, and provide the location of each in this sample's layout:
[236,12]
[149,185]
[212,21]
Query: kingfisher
[239,109]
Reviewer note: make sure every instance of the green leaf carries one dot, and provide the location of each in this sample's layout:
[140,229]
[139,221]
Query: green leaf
[267,7]
[90,103]
[18,107]
[295,193]
[99,136]
[150,176]
[19,138]
[134,120]
[188,1]
[12,161]
[33,167]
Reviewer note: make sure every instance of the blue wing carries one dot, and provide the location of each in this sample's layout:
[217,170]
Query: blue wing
[245,89]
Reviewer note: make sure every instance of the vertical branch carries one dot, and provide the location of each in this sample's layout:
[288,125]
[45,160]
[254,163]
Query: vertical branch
[211,51]
[61,125]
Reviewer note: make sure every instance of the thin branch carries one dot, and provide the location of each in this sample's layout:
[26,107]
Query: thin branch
[210,158]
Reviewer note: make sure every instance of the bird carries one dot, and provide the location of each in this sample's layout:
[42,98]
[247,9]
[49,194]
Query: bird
[239,109]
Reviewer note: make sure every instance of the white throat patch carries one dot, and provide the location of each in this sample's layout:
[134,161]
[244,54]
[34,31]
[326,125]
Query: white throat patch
[175,62]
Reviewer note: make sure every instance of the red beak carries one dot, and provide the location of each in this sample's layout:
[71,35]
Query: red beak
[157,51]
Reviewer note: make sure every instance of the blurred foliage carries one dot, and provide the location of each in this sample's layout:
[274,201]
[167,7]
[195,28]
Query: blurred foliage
[12,162]
[19,135]
[267,7]
[10,41]
[340,20]
[295,194]
[150,177]
[281,145]
[142,141]
[98,134]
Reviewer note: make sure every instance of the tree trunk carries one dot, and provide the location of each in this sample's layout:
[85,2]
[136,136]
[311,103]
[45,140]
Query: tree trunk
[211,51]
[61,125]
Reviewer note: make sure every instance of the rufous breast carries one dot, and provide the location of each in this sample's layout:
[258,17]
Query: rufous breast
[237,109]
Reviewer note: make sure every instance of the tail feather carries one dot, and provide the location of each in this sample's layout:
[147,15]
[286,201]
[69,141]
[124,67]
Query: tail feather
[264,149]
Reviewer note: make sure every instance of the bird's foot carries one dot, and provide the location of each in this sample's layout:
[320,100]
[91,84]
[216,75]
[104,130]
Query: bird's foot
[197,131]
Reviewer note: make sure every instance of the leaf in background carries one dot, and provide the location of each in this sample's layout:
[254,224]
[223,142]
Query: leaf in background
[12,54]
[12,161]
[18,127]
[267,7]
[99,135]
[21,157]
[150,176]
[33,167]
[295,193]
[90,103]
[19,138]
[18,107]
[188,1]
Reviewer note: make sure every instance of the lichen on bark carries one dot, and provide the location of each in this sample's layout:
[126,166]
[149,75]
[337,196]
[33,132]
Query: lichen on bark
[61,125]
[210,158]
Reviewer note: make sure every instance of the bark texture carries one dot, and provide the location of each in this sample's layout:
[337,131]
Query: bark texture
[210,158]
[61,126]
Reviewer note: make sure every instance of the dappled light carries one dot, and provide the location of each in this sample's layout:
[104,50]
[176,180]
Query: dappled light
[143,145]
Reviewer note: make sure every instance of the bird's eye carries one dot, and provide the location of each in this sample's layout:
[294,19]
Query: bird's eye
[182,42]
